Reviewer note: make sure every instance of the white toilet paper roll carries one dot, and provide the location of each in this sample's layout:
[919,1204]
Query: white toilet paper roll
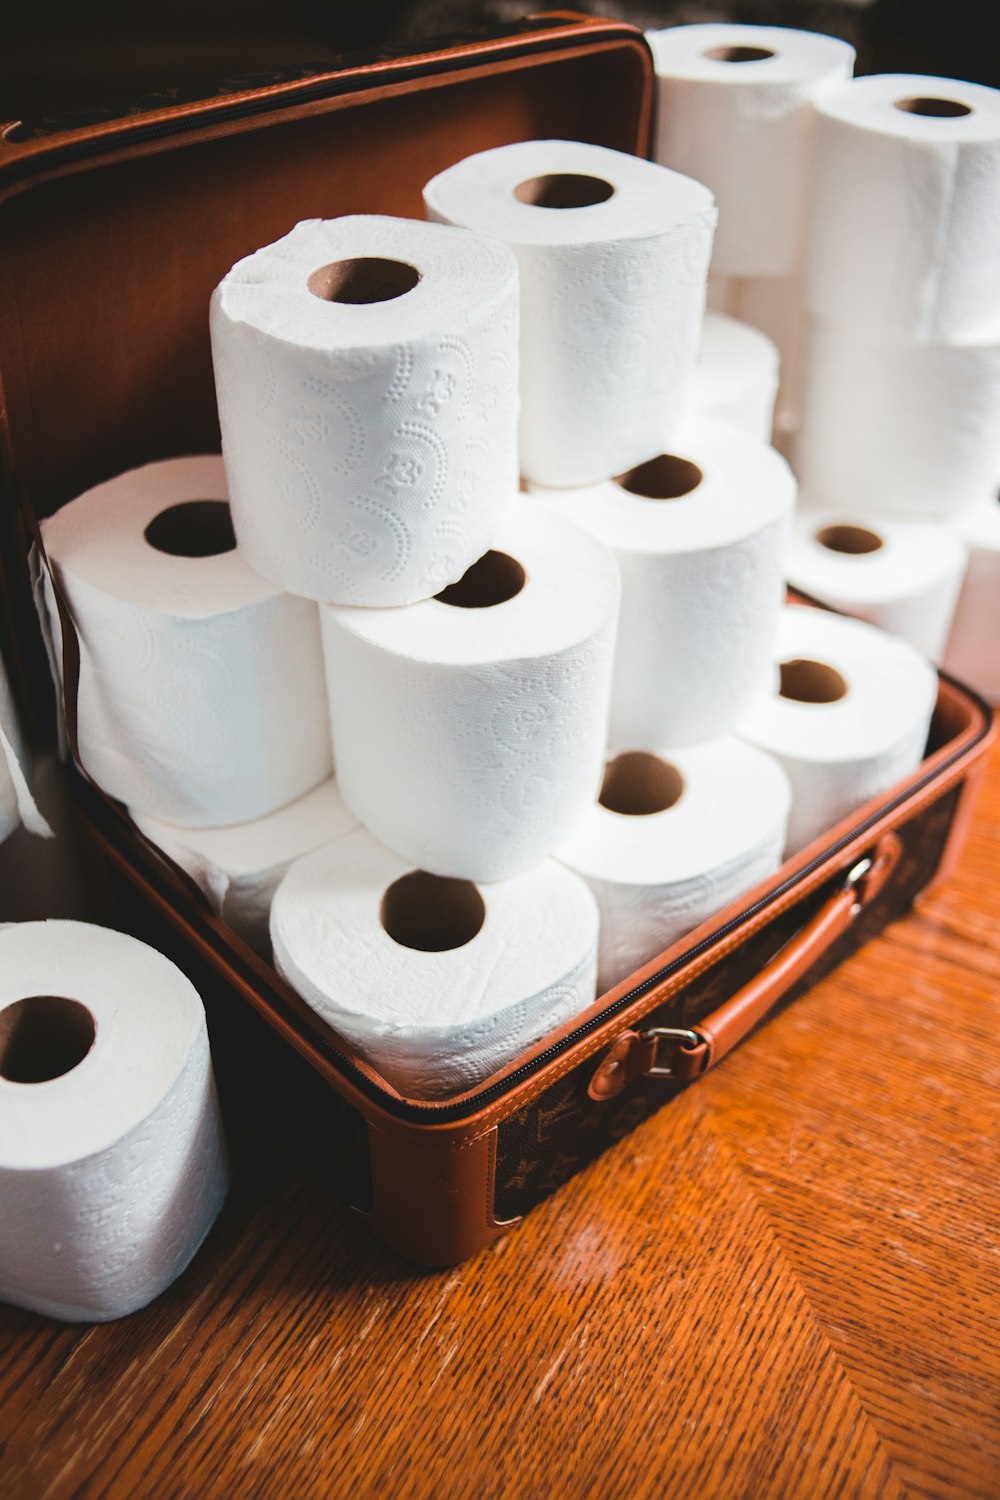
[613,254]
[973,652]
[366,371]
[773,305]
[671,842]
[903,576]
[700,538]
[735,110]
[201,694]
[736,378]
[17,805]
[112,1165]
[848,719]
[904,223]
[889,426]
[470,728]
[239,868]
[437,982]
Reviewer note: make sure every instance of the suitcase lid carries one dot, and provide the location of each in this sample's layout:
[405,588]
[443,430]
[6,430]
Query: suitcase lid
[115,231]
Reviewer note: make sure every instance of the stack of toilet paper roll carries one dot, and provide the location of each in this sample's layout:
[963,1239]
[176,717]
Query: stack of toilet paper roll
[112,1161]
[470,721]
[736,110]
[858,229]
[898,452]
[536,699]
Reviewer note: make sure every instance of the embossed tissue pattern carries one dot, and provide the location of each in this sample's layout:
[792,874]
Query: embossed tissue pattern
[376,475]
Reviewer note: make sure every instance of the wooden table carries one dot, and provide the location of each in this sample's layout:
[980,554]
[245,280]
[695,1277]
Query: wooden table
[785,1284]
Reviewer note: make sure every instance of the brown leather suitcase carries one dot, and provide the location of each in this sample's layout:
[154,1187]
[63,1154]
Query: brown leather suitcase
[113,232]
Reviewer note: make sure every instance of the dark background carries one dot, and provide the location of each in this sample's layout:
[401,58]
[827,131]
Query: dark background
[62,58]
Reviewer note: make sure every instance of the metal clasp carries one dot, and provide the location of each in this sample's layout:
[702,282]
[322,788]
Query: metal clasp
[689,1038]
[854,877]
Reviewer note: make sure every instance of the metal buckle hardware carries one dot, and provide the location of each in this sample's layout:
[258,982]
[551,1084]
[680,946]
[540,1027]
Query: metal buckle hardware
[854,877]
[691,1039]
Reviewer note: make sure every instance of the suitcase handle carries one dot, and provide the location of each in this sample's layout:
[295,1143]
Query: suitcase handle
[685,1053]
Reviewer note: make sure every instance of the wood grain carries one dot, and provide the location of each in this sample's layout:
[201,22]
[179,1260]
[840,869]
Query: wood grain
[785,1284]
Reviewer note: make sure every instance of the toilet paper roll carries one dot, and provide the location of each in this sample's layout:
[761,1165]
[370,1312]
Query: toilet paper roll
[112,1164]
[470,728]
[700,537]
[17,805]
[848,719]
[773,305]
[904,222]
[239,868]
[735,110]
[613,254]
[672,842]
[366,371]
[973,652]
[893,427]
[201,694]
[437,982]
[736,378]
[903,576]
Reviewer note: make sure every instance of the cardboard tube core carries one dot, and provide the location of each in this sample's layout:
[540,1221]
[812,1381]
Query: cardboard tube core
[738,54]
[195,528]
[942,109]
[432,913]
[42,1037]
[637,784]
[367,278]
[666,477]
[806,681]
[564,190]
[852,539]
[494,579]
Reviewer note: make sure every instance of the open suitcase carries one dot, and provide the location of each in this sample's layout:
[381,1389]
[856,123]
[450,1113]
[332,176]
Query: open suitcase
[114,232]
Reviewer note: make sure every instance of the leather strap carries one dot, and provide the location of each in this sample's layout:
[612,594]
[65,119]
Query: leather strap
[685,1053]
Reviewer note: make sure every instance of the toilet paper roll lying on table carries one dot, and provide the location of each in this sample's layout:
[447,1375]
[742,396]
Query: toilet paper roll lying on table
[613,255]
[437,982]
[903,576]
[470,728]
[17,805]
[366,370]
[889,426]
[673,841]
[904,222]
[239,868]
[973,652]
[700,538]
[849,719]
[112,1164]
[736,378]
[201,695]
[735,110]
